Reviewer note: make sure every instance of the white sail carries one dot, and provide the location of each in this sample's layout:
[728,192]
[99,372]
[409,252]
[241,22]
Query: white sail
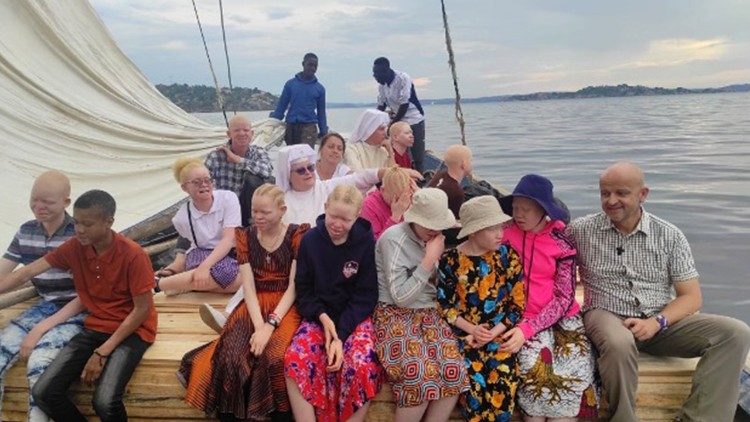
[71,100]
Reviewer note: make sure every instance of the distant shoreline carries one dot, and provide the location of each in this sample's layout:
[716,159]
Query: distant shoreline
[202,99]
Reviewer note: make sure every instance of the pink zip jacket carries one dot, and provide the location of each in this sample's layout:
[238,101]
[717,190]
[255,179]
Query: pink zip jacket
[549,269]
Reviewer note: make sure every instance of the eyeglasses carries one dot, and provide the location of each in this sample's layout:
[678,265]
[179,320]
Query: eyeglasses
[200,182]
[306,169]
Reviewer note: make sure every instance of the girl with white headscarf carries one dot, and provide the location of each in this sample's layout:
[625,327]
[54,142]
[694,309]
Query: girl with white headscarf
[366,148]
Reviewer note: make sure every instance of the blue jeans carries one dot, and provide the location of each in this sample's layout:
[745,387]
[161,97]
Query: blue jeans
[51,391]
[417,150]
[45,350]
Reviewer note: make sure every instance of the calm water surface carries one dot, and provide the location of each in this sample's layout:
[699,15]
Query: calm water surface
[695,150]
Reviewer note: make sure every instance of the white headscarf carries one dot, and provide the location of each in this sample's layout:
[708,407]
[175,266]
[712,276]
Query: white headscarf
[288,155]
[368,122]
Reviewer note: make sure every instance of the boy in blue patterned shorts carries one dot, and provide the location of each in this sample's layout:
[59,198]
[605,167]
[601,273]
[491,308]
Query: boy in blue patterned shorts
[40,332]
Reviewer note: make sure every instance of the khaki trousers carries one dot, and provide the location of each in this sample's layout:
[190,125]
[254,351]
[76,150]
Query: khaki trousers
[721,342]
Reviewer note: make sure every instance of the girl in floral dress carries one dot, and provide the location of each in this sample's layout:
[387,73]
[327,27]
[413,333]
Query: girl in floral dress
[331,367]
[556,358]
[481,294]
[241,374]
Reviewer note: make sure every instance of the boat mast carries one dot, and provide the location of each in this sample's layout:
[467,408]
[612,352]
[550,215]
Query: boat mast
[452,63]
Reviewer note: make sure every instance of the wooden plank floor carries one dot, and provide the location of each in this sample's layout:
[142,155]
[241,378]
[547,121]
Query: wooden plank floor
[155,394]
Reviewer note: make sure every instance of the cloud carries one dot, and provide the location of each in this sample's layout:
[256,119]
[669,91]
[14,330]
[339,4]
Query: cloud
[680,51]
[422,82]
[545,47]
[172,46]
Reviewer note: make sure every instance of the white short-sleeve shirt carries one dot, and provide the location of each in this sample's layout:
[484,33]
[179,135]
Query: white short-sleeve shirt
[209,226]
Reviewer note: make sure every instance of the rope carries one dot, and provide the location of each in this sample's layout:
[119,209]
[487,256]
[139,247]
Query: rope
[452,62]
[210,65]
[226,54]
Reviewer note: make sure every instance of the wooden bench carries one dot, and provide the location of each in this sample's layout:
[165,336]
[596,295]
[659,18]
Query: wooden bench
[155,394]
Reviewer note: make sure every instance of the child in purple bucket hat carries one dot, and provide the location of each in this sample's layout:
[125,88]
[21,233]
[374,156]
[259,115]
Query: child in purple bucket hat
[555,357]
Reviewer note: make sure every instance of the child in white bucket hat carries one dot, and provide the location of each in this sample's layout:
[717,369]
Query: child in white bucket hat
[429,377]
[481,294]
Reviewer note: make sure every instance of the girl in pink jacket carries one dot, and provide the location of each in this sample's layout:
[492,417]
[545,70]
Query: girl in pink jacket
[555,357]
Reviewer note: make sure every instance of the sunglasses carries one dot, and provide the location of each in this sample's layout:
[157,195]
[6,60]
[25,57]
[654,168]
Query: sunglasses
[200,182]
[306,169]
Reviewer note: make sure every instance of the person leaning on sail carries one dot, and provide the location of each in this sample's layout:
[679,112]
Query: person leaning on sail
[40,332]
[305,98]
[113,279]
[396,91]
[641,293]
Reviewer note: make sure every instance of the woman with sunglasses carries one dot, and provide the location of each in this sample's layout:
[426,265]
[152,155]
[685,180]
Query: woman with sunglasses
[208,220]
[305,193]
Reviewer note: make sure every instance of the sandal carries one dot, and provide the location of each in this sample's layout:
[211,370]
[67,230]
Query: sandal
[158,276]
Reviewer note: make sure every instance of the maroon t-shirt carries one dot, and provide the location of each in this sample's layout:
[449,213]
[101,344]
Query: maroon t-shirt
[402,160]
[443,181]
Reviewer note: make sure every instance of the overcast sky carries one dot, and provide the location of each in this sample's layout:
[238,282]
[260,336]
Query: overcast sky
[502,47]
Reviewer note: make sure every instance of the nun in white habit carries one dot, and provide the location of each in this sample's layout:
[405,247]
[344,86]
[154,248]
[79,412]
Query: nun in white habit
[365,148]
[305,194]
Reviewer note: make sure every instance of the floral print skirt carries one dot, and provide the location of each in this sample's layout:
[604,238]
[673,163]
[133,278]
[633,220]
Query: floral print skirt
[419,353]
[335,395]
[558,372]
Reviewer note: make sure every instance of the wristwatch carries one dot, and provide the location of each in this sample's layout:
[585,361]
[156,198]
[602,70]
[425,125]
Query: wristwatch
[273,319]
[663,323]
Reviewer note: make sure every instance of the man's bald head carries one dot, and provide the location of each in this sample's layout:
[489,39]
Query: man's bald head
[239,119]
[456,155]
[624,171]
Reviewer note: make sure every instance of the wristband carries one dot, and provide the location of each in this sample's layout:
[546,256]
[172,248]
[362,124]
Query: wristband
[102,357]
[273,319]
[663,322]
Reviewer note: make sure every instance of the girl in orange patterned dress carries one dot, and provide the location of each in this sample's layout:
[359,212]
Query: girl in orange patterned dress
[239,379]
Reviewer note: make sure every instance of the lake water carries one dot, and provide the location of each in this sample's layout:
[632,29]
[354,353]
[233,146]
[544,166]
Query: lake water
[694,149]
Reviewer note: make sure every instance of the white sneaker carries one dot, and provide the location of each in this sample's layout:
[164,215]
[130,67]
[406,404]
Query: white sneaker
[213,318]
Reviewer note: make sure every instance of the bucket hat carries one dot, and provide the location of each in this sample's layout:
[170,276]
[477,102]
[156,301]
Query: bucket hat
[538,188]
[429,209]
[479,213]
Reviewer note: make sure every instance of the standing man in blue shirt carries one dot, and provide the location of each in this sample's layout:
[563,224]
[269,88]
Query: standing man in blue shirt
[305,98]
[396,91]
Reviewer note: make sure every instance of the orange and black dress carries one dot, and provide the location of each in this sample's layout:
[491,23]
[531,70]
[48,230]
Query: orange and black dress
[223,376]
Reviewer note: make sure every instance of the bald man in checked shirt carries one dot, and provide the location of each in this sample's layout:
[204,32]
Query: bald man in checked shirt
[641,293]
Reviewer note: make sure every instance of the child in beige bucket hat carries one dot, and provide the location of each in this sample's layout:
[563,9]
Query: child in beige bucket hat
[480,291]
[479,213]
